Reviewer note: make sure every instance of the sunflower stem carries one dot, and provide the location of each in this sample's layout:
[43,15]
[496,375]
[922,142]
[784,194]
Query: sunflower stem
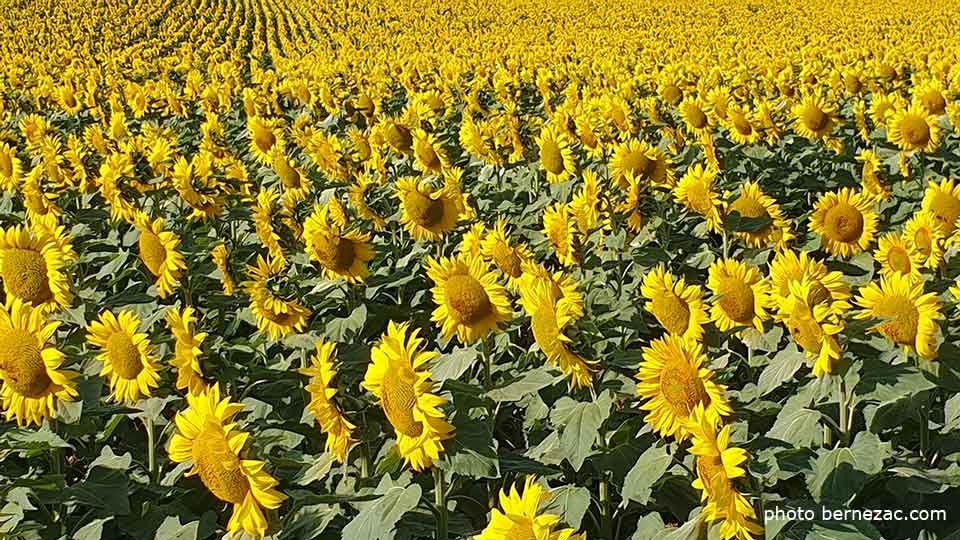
[605,506]
[485,359]
[151,448]
[842,410]
[440,500]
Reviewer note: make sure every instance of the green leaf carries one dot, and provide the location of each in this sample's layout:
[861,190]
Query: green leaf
[532,381]
[951,414]
[571,502]
[454,364]
[377,520]
[473,452]
[691,530]
[171,529]
[103,488]
[343,329]
[651,465]
[800,427]
[649,527]
[580,431]
[112,461]
[841,472]
[780,369]
[843,530]
[736,222]
[92,530]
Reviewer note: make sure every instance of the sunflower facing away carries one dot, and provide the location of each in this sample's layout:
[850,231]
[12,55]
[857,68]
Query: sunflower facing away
[471,304]
[325,410]
[508,258]
[127,355]
[521,516]
[678,307]
[399,376]
[741,295]
[221,259]
[158,251]
[208,437]
[32,268]
[719,465]
[559,228]
[789,267]
[754,203]
[343,255]
[277,314]
[814,324]
[428,214]
[30,370]
[556,156]
[845,221]
[551,307]
[910,315]
[186,349]
[673,381]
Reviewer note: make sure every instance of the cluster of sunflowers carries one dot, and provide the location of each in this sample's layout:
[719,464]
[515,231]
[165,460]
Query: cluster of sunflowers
[734,244]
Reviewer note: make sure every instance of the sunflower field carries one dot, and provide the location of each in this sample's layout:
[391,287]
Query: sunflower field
[476,269]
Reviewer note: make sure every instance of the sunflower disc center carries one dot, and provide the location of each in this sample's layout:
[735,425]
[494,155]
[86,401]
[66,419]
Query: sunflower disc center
[681,387]
[335,252]
[844,223]
[399,400]
[264,139]
[21,363]
[915,130]
[152,252]
[124,356]
[423,210]
[551,156]
[736,300]
[219,466]
[468,298]
[900,261]
[904,319]
[25,275]
[507,260]
[672,312]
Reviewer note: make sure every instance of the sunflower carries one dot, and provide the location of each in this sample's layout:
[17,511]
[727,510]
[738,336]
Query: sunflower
[265,136]
[158,251]
[827,287]
[741,296]
[471,243]
[208,437]
[325,410]
[32,268]
[630,160]
[739,122]
[943,202]
[696,115]
[221,258]
[275,315]
[399,377]
[357,196]
[428,214]
[898,256]
[30,370]
[871,180]
[470,302]
[559,229]
[522,516]
[911,316]
[263,213]
[923,232]
[127,355]
[397,136]
[930,95]
[11,168]
[755,204]
[814,324]
[430,156]
[914,128]
[883,107]
[589,205]
[846,222]
[695,191]
[556,156]
[343,255]
[813,117]
[508,258]
[678,307]
[186,349]
[673,382]
[718,467]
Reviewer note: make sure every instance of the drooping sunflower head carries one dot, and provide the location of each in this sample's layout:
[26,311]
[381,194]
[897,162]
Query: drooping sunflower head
[914,128]
[522,516]
[846,222]
[129,361]
[508,258]
[32,268]
[274,305]
[159,253]
[871,178]
[343,255]
[696,191]
[673,382]
[399,376]
[428,214]
[678,307]
[323,390]
[30,371]
[207,436]
[814,323]
[790,267]
[471,304]
[910,315]
[753,203]
[741,296]
[942,200]
[186,349]
[560,230]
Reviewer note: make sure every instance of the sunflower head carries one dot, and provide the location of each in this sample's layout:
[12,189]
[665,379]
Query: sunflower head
[129,361]
[521,516]
[428,214]
[910,316]
[741,295]
[846,222]
[914,128]
[470,302]
[678,307]
[32,268]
